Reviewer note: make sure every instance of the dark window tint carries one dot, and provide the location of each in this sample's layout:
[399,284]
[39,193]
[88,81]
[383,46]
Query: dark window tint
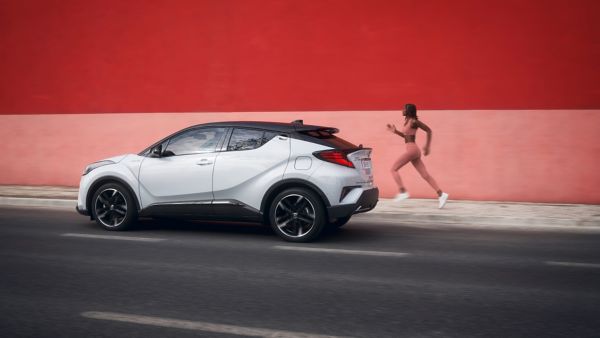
[148,151]
[194,141]
[246,139]
[268,135]
[328,139]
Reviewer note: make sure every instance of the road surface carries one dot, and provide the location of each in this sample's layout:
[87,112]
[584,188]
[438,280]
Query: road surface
[63,276]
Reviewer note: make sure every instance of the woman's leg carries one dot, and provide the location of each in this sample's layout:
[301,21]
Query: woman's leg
[400,162]
[420,166]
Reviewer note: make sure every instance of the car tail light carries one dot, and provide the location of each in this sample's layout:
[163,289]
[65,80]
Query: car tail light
[334,156]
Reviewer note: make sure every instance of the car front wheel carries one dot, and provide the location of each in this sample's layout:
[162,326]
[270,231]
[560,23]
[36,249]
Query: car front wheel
[297,215]
[113,207]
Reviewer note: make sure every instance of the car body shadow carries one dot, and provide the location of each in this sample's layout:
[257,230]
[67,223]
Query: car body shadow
[356,233]
[200,226]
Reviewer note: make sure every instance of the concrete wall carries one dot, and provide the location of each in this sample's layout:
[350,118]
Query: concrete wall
[537,156]
[510,87]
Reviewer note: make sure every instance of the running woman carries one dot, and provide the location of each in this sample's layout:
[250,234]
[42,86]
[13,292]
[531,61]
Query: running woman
[413,154]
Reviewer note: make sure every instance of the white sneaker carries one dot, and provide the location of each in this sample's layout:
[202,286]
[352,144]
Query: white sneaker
[401,196]
[443,199]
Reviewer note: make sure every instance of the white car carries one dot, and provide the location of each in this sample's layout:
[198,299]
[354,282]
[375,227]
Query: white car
[297,178]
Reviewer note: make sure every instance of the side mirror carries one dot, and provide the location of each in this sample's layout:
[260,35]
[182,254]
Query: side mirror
[157,151]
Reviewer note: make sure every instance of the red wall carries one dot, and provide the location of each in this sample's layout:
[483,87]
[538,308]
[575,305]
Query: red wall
[510,87]
[92,56]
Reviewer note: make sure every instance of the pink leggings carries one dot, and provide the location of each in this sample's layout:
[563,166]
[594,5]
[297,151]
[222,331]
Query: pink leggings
[412,154]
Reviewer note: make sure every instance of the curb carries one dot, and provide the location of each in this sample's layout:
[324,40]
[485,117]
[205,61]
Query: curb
[494,221]
[38,202]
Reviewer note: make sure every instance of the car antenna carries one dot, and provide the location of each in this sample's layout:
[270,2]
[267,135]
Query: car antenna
[298,122]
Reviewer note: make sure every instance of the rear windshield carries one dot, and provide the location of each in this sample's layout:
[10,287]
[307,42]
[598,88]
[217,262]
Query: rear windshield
[328,139]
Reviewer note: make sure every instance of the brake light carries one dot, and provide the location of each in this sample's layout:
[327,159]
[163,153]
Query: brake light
[334,156]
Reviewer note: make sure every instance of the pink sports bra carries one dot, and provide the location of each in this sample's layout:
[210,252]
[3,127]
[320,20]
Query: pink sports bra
[408,130]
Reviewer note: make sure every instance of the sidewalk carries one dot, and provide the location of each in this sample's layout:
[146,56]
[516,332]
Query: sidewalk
[416,211]
[490,213]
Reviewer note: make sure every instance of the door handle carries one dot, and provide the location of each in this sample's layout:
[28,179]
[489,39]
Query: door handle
[204,161]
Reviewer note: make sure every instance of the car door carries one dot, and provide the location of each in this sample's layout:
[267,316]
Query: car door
[252,161]
[182,174]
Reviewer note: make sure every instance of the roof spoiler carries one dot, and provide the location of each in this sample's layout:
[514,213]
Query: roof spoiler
[301,127]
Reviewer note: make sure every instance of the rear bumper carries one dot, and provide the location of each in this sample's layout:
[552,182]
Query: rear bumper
[366,202]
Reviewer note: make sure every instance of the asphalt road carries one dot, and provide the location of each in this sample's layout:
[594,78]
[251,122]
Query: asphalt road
[369,279]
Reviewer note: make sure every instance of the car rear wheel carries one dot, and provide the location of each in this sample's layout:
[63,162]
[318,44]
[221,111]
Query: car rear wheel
[297,215]
[113,207]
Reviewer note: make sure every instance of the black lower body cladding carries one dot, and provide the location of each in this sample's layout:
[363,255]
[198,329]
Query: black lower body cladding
[367,201]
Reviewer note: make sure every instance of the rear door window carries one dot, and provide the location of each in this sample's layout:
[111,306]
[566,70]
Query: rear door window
[248,139]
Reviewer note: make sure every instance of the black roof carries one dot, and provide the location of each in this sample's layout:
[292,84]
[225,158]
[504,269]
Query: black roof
[275,126]
[281,127]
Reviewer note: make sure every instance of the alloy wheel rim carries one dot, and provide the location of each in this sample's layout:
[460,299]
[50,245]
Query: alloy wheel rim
[111,207]
[295,215]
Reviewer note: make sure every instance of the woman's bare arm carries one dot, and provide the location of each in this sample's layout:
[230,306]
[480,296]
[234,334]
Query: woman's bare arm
[393,129]
[423,126]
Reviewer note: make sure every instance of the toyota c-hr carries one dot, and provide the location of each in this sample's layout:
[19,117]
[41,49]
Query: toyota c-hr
[297,178]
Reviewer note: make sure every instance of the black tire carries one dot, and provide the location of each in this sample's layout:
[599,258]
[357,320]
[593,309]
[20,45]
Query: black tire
[340,222]
[297,215]
[113,207]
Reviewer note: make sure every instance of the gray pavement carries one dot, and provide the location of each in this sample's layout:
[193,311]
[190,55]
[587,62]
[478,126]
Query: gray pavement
[63,276]
[417,211]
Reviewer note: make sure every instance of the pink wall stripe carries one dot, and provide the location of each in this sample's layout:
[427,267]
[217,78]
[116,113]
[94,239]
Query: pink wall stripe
[531,155]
